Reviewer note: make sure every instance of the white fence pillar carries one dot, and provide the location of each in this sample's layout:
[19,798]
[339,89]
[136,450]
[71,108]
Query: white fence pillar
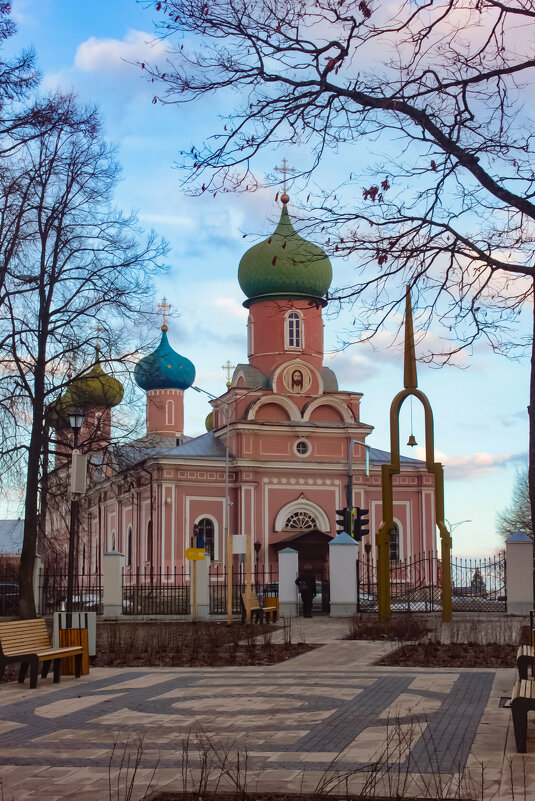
[519,567]
[343,551]
[203,588]
[288,570]
[112,583]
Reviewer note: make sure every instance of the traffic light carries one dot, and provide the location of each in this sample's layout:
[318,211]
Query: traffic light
[344,519]
[361,523]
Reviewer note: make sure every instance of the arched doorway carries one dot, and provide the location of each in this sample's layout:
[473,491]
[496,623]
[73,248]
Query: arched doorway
[297,526]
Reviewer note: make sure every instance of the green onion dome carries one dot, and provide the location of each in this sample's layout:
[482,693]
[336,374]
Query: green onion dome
[285,266]
[209,422]
[93,390]
[164,368]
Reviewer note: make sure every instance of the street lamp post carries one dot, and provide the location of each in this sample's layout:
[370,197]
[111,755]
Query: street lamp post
[257,547]
[76,419]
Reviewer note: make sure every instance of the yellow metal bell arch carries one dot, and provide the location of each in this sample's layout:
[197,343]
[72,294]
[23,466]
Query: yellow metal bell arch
[410,382]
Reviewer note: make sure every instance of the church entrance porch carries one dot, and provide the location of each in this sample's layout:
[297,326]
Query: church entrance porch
[312,547]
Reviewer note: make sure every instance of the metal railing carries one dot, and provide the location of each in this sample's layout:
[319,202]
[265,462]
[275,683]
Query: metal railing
[156,593]
[415,584]
[87,594]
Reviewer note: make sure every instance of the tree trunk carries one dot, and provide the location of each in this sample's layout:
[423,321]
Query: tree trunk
[531,447]
[27,557]
[35,450]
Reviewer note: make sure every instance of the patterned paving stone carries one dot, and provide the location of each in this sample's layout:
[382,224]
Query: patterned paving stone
[306,724]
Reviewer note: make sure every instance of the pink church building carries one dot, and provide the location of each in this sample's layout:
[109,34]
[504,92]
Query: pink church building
[281,447]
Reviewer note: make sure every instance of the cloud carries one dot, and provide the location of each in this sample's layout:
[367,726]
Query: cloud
[108,68]
[461,467]
[24,13]
[513,419]
[112,55]
[231,307]
[175,220]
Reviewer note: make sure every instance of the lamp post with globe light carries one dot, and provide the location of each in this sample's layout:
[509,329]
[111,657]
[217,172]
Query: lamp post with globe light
[76,420]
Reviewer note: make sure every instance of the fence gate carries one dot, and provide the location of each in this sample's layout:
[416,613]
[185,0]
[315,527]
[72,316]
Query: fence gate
[415,584]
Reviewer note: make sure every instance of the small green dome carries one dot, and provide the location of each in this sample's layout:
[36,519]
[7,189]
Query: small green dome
[94,390]
[285,266]
[209,422]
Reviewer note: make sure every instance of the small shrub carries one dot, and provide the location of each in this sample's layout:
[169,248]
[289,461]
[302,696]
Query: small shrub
[399,628]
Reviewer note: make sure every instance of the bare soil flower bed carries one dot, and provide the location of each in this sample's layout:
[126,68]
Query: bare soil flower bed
[398,627]
[240,796]
[185,644]
[436,654]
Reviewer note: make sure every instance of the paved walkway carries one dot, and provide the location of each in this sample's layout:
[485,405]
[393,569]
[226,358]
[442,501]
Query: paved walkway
[325,718]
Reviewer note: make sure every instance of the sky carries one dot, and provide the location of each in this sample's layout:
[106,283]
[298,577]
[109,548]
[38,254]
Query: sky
[480,407]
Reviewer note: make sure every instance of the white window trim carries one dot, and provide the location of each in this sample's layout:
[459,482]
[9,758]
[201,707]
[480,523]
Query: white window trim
[250,336]
[216,532]
[169,413]
[309,448]
[287,345]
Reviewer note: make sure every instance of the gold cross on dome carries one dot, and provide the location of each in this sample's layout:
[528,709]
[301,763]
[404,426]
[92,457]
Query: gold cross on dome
[98,329]
[228,367]
[164,306]
[284,169]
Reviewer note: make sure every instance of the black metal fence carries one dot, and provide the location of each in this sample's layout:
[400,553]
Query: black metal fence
[9,586]
[156,593]
[415,584]
[265,579]
[479,584]
[87,590]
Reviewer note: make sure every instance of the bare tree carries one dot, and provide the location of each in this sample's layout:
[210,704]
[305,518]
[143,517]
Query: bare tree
[73,259]
[17,75]
[517,516]
[441,88]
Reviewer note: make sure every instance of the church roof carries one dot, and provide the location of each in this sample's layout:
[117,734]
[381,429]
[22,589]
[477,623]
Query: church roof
[330,382]
[252,376]
[285,266]
[207,446]
[11,536]
[383,457]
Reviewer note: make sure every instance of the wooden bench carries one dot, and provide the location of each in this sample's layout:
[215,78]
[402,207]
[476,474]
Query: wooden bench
[522,701]
[27,642]
[253,612]
[524,659]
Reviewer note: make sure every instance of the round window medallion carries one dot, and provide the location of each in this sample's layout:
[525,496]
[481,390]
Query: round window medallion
[301,447]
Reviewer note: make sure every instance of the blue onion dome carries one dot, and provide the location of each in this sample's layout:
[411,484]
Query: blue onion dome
[93,390]
[164,368]
[285,266]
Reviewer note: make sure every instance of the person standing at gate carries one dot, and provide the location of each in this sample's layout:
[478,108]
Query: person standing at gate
[306,584]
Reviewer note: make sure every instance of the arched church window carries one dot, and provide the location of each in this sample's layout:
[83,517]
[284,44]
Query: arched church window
[205,527]
[301,520]
[113,541]
[169,413]
[394,543]
[129,547]
[149,542]
[294,330]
